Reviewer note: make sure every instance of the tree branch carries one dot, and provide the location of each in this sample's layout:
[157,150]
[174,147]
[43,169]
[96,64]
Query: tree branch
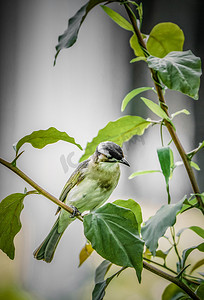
[172,279]
[165,108]
[37,187]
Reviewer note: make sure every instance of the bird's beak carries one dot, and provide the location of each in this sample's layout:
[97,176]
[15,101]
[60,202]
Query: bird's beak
[125,162]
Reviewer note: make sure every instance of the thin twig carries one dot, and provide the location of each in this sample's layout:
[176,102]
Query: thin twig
[37,187]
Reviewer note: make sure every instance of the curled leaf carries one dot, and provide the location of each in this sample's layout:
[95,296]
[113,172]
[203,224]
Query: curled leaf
[41,138]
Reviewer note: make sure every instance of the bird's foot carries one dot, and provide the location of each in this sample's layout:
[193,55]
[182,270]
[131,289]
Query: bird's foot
[75,213]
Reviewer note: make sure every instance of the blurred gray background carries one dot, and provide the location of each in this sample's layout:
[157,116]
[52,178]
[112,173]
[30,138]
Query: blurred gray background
[80,95]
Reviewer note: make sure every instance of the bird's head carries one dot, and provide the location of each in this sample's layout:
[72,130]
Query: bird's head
[111,153]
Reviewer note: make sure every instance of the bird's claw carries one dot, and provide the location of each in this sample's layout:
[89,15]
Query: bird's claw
[75,213]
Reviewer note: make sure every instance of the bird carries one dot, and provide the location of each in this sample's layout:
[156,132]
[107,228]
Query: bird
[89,186]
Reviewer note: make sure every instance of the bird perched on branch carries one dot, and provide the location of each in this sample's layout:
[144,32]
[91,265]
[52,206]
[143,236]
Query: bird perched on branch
[89,186]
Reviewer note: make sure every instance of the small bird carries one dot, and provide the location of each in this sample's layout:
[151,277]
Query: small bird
[89,186]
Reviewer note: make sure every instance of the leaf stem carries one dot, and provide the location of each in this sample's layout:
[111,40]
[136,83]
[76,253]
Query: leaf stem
[172,279]
[175,244]
[160,265]
[37,187]
[169,126]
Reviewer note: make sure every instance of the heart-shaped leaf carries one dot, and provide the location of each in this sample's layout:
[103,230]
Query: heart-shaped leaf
[113,233]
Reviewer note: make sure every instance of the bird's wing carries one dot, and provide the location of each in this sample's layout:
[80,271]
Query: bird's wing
[76,177]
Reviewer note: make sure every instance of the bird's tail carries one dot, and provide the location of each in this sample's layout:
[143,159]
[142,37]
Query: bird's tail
[47,249]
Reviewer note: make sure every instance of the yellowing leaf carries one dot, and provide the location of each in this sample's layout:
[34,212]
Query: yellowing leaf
[85,253]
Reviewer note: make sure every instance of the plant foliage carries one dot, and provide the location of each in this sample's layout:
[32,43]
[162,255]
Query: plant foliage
[117,231]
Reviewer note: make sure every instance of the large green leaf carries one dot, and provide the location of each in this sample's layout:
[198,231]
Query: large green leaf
[10,225]
[100,282]
[117,18]
[113,233]
[157,225]
[118,131]
[69,37]
[133,94]
[134,207]
[165,38]
[179,71]
[41,138]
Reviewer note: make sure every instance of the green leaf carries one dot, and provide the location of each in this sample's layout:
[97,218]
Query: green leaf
[101,283]
[164,155]
[183,111]
[188,251]
[133,94]
[113,233]
[139,58]
[157,225]
[134,44]
[165,38]
[138,173]
[117,18]
[69,37]
[118,131]
[10,225]
[173,292]
[179,71]
[198,230]
[41,138]
[134,207]
[155,108]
